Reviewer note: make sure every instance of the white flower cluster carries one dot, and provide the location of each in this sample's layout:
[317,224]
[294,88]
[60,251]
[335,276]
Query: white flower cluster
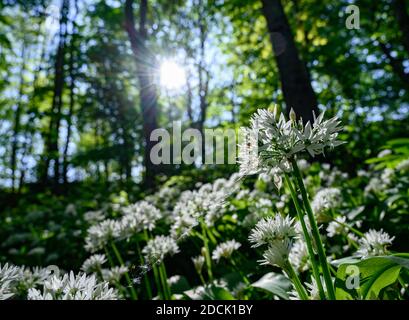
[225,250]
[100,234]
[260,207]
[312,289]
[94,263]
[337,227]
[93,217]
[299,256]
[42,284]
[136,218]
[270,229]
[380,182]
[114,274]
[8,276]
[374,243]
[403,165]
[208,202]
[271,140]
[73,287]
[156,249]
[165,198]
[16,281]
[324,200]
[331,176]
[278,233]
[198,262]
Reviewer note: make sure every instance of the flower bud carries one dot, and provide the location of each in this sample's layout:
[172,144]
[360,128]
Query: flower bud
[293,116]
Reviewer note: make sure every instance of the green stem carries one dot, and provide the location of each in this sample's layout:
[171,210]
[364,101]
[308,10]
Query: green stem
[128,279]
[357,232]
[296,280]
[165,279]
[402,283]
[245,279]
[117,284]
[158,282]
[207,253]
[300,213]
[145,276]
[201,278]
[315,232]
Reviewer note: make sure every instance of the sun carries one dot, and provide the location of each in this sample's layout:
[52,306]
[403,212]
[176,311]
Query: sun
[172,76]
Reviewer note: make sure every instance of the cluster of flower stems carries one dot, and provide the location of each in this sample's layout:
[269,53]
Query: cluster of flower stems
[319,263]
[158,268]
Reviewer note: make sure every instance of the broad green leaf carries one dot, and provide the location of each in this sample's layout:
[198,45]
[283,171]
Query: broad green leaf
[274,283]
[180,285]
[375,274]
[211,292]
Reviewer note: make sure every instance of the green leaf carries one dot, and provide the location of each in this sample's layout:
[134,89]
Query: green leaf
[379,280]
[180,285]
[211,292]
[346,260]
[375,274]
[274,283]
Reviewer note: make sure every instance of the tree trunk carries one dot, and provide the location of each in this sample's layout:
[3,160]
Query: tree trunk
[71,74]
[145,64]
[396,64]
[51,148]
[17,119]
[295,80]
[401,13]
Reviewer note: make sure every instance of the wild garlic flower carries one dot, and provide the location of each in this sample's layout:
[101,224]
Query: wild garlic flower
[156,249]
[299,256]
[73,287]
[138,217]
[259,208]
[277,253]
[9,275]
[165,198]
[324,200]
[93,217]
[312,289]
[198,262]
[403,165]
[331,176]
[114,275]
[303,164]
[100,234]
[374,185]
[248,153]
[271,141]
[94,263]
[380,183]
[270,229]
[337,227]
[225,250]
[384,153]
[207,203]
[374,243]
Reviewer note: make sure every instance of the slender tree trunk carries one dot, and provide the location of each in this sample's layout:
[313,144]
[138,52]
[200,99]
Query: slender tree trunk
[71,74]
[17,119]
[189,99]
[52,150]
[401,12]
[396,64]
[145,64]
[295,80]
[203,73]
